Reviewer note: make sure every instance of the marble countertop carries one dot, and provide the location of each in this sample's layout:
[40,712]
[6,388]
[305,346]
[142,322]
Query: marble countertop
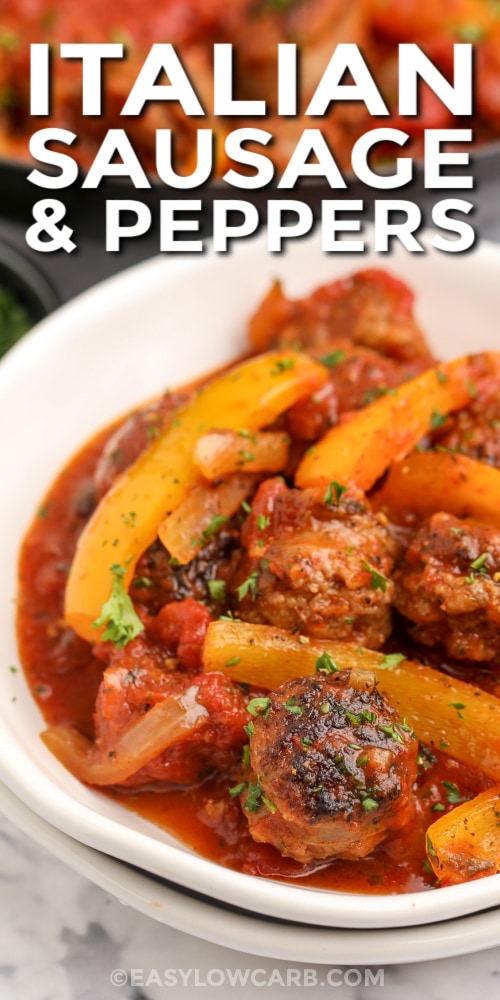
[64,938]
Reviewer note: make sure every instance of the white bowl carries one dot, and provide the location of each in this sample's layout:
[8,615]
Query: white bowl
[162,323]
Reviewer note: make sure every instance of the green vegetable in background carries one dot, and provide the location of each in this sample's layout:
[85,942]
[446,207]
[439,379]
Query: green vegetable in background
[15,320]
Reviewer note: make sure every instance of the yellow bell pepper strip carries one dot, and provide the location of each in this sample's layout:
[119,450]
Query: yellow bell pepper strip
[428,482]
[251,395]
[202,515]
[360,450]
[222,452]
[447,714]
[465,844]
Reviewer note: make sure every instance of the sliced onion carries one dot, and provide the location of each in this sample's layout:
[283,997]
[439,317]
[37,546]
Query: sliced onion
[174,718]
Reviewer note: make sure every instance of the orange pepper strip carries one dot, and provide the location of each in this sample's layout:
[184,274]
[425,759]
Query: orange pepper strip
[251,395]
[447,714]
[360,450]
[465,843]
[428,482]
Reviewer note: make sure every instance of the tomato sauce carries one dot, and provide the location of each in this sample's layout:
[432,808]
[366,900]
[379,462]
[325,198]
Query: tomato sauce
[64,677]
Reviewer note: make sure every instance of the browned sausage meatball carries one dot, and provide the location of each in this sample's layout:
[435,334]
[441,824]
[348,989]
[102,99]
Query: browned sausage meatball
[370,309]
[133,436]
[317,567]
[331,768]
[476,431]
[449,587]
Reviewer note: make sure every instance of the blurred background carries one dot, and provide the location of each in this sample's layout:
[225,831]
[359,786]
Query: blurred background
[32,283]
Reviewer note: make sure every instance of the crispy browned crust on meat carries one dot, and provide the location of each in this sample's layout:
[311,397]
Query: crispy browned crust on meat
[334,765]
[448,587]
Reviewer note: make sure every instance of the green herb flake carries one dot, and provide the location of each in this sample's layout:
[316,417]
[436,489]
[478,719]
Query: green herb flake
[389,730]
[458,706]
[233,661]
[237,789]
[259,706]
[438,807]
[217,589]
[453,794]
[249,586]
[479,563]
[268,804]
[391,660]
[333,359]
[118,613]
[142,581]
[291,706]
[437,419]
[325,665]
[379,582]
[283,365]
[441,376]
[430,847]
[246,507]
[213,527]
[338,489]
[263,522]
[369,804]
[252,801]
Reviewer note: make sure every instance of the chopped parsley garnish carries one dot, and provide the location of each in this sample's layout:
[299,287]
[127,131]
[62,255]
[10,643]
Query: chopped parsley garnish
[362,761]
[391,660]
[438,807]
[118,613]
[233,661]
[379,582]
[246,507]
[430,847]
[249,586]
[479,563]
[246,456]
[336,487]
[259,706]
[237,789]
[325,665]
[142,581]
[217,589]
[249,730]
[437,419]
[453,794]
[369,804]
[389,730]
[252,801]
[441,376]
[213,527]
[282,365]
[306,742]
[333,359]
[458,706]
[229,617]
[263,522]
[291,706]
